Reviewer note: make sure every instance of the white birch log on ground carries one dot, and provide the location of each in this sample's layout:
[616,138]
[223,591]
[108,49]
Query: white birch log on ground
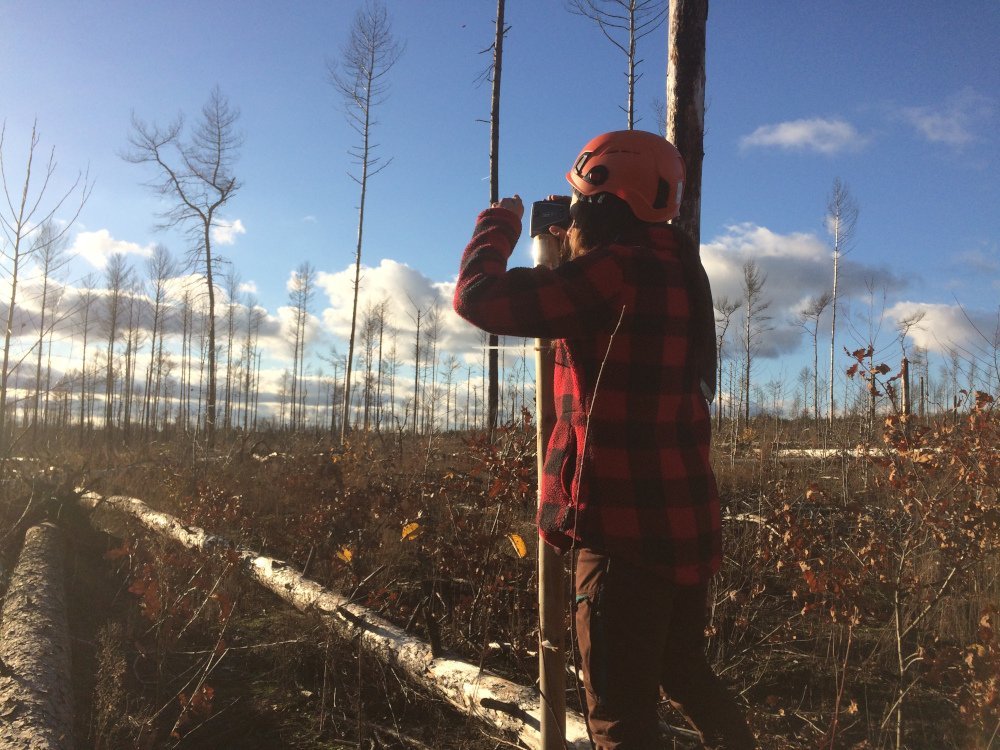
[36,697]
[503,704]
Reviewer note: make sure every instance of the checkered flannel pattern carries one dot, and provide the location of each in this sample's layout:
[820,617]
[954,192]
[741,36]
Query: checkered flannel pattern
[627,467]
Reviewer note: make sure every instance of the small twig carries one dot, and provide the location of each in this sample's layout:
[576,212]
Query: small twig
[248,647]
[404,738]
[930,605]
[363,581]
[805,718]
[208,596]
[13,529]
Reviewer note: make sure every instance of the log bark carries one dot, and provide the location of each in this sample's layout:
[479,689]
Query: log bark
[501,703]
[36,698]
[686,102]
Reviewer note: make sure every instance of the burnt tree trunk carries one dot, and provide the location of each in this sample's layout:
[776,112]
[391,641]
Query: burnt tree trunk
[36,699]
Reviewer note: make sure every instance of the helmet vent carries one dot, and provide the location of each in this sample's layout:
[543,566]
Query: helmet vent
[597,176]
[662,194]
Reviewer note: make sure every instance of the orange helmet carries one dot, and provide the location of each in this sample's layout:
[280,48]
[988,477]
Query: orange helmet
[643,169]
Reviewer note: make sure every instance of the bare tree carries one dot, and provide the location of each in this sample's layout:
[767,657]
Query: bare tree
[841,221]
[85,303]
[117,278]
[301,290]
[184,393]
[493,74]
[133,341]
[21,217]
[624,23]
[371,325]
[451,365]
[232,290]
[369,55]
[432,334]
[724,308]
[249,357]
[417,320]
[805,380]
[49,258]
[754,324]
[197,177]
[808,318]
[904,326]
[160,267]
[392,364]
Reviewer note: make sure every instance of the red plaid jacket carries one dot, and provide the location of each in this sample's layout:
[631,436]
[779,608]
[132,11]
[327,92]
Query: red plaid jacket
[627,468]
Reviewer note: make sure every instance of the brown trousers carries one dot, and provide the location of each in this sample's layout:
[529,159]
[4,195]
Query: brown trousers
[639,634]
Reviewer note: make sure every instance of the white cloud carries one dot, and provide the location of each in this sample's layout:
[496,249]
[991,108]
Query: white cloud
[816,134]
[97,247]
[191,285]
[224,232]
[281,340]
[797,267]
[945,328]
[956,121]
[248,287]
[405,290]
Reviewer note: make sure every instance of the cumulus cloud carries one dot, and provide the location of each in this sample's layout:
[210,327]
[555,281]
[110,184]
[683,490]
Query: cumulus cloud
[956,121]
[405,290]
[97,247]
[280,333]
[797,267]
[816,134]
[225,232]
[946,328]
[247,287]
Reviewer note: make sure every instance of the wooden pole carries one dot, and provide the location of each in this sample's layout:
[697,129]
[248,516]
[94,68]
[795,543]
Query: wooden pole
[551,568]
[686,102]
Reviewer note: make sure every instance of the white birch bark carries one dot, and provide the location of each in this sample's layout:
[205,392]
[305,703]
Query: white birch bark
[36,698]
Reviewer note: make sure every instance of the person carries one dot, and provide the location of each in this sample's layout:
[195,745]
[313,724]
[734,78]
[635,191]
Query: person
[627,485]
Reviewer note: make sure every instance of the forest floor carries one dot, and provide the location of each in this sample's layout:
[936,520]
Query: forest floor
[834,600]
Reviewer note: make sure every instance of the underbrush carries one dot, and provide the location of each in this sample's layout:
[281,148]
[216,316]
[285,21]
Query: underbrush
[856,607]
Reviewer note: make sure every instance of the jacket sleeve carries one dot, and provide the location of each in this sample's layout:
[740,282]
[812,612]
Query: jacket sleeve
[578,298]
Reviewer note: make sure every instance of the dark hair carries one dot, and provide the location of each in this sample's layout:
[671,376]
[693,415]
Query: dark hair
[606,219]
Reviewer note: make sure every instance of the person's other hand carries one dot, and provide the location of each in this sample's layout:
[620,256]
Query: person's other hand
[512,204]
[558,231]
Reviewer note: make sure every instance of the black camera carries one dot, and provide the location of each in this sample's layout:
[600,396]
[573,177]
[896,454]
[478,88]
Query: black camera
[545,214]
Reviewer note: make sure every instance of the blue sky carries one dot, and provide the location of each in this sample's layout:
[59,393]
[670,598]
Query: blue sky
[901,100]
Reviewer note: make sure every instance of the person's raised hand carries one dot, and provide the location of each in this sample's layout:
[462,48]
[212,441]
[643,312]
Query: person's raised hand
[512,204]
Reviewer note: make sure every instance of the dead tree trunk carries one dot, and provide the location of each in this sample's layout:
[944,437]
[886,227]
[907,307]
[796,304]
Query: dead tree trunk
[686,102]
[504,704]
[493,399]
[36,700]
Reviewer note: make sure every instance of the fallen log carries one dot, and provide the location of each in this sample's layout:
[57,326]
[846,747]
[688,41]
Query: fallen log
[36,699]
[503,704]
